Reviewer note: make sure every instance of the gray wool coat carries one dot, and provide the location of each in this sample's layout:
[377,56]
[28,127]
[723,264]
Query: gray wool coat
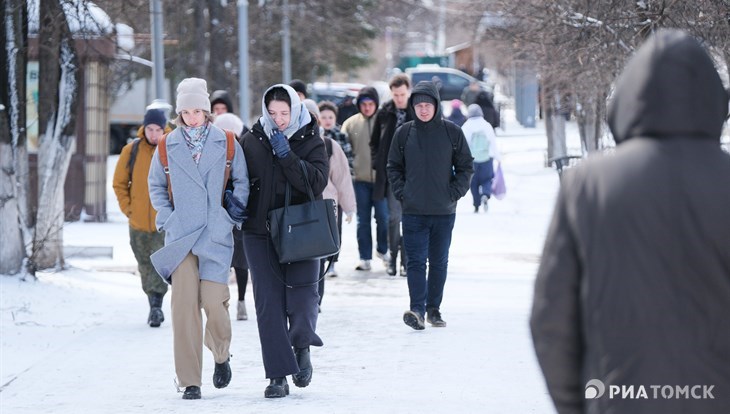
[197,223]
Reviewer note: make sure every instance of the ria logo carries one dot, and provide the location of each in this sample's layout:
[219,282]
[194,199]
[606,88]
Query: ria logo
[594,389]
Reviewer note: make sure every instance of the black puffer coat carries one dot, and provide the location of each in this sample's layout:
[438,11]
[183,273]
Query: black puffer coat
[269,174]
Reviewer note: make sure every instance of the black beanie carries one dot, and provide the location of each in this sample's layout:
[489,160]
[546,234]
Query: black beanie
[155,116]
[420,98]
[299,86]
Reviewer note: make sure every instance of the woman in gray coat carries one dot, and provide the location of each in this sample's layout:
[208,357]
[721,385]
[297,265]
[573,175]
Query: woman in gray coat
[198,247]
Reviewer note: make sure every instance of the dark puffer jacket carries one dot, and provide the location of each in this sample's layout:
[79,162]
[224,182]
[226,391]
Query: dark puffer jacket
[382,136]
[428,176]
[633,287]
[268,174]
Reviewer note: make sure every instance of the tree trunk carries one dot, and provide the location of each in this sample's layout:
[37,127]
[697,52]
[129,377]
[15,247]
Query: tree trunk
[13,152]
[589,123]
[201,46]
[554,122]
[59,85]
[217,72]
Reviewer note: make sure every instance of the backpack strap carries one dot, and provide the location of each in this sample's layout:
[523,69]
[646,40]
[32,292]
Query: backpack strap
[132,159]
[230,153]
[162,153]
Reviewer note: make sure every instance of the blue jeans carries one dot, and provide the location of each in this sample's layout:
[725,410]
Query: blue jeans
[365,206]
[427,238]
[482,180]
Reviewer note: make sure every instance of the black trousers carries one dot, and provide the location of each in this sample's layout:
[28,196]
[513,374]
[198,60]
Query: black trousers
[286,316]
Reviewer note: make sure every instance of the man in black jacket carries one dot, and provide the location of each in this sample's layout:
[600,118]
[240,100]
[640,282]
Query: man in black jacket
[633,288]
[390,117]
[429,168]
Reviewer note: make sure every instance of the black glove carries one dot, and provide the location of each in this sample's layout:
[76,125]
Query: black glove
[279,144]
[234,207]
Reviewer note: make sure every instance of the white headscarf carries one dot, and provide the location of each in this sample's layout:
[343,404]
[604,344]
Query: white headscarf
[299,113]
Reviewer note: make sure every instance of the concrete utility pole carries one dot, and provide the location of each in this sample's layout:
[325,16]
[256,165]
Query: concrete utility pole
[441,39]
[243,98]
[285,48]
[158,51]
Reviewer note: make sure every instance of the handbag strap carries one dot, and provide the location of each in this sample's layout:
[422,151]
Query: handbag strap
[310,193]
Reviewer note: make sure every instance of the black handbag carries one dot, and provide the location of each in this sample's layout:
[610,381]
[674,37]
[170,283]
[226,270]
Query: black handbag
[304,231]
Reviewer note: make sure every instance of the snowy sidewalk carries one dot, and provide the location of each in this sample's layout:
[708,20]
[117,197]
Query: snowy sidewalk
[77,341]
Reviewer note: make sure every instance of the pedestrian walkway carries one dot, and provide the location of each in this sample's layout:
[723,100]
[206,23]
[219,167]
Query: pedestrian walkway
[77,341]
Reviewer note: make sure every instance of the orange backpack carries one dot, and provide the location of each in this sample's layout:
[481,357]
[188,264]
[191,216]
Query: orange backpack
[230,152]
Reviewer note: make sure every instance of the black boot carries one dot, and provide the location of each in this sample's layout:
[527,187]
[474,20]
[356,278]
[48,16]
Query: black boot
[191,393]
[222,374]
[156,317]
[277,388]
[304,376]
[391,269]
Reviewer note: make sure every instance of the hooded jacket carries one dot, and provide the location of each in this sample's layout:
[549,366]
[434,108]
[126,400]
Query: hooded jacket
[359,128]
[633,286]
[221,96]
[269,174]
[428,176]
[383,131]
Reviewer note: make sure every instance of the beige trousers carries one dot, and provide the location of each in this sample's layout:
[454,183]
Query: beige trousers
[189,294]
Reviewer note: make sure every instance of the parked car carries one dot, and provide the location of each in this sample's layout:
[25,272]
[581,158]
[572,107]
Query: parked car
[453,81]
[334,91]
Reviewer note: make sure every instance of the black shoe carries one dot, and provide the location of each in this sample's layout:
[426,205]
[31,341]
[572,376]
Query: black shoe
[191,393]
[222,374]
[433,316]
[156,317]
[414,320]
[304,376]
[277,388]
[391,268]
[476,209]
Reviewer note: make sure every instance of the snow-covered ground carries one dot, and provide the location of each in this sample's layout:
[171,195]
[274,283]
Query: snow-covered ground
[76,341]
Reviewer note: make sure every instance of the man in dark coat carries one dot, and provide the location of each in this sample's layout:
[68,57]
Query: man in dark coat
[429,167]
[390,117]
[633,287]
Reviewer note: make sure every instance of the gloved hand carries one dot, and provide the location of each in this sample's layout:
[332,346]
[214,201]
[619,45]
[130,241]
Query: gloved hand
[234,207]
[279,144]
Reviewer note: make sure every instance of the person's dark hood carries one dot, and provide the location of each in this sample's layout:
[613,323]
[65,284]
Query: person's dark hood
[368,92]
[669,88]
[430,89]
[221,96]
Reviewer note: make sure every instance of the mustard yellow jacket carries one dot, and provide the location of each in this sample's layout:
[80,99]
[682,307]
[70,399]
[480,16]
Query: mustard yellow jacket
[134,199]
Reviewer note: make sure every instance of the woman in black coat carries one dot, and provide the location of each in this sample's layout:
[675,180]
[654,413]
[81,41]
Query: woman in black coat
[285,294]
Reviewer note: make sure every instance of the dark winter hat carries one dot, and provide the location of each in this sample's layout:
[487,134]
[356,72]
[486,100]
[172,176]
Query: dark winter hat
[221,96]
[421,98]
[299,86]
[155,116]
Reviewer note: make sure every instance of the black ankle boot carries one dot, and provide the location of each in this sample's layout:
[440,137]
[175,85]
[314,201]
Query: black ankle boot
[156,317]
[222,374]
[277,388]
[391,269]
[191,393]
[304,376]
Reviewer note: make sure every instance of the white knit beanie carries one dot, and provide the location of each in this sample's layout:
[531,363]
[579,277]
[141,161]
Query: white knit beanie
[192,93]
[230,122]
